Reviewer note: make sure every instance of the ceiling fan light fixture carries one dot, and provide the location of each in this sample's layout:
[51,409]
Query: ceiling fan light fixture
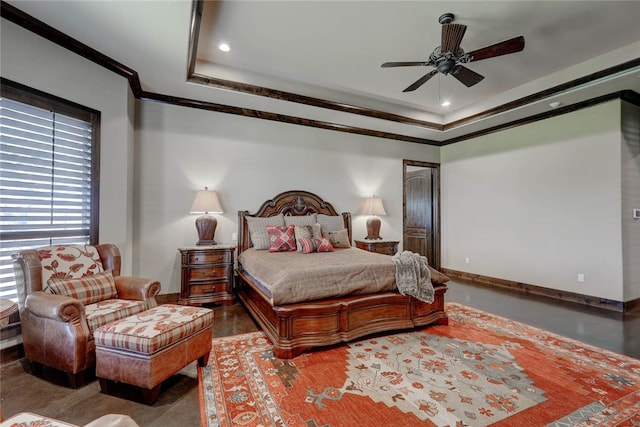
[446,66]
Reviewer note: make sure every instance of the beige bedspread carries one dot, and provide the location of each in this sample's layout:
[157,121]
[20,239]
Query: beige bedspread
[296,277]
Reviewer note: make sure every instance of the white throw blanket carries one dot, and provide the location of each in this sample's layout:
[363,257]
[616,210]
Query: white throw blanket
[413,276]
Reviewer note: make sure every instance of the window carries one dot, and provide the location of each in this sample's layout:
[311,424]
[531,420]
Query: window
[49,157]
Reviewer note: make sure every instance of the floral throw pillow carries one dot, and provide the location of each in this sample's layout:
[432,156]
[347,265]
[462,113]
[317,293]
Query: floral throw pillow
[281,238]
[69,261]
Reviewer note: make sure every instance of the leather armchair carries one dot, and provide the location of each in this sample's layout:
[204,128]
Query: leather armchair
[55,328]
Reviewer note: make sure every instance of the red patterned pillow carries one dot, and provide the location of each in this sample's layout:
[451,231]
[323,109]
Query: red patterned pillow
[281,238]
[315,245]
[325,245]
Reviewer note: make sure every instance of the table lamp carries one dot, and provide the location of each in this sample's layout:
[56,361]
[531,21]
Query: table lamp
[206,202]
[373,207]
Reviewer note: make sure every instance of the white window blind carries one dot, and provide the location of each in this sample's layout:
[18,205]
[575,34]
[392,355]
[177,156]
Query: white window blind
[45,182]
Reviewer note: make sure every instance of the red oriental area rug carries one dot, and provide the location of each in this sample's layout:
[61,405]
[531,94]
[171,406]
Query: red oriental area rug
[480,370]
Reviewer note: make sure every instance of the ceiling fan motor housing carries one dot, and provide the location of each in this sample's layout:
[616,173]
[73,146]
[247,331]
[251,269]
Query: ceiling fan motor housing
[446,18]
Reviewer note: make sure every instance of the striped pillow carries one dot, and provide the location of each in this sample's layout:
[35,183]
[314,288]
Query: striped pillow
[331,223]
[300,220]
[315,245]
[88,289]
[258,230]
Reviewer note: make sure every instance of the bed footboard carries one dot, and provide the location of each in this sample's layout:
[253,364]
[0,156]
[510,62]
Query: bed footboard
[294,328]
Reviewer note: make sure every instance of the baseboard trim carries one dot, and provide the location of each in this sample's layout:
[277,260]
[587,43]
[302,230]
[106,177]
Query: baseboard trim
[619,306]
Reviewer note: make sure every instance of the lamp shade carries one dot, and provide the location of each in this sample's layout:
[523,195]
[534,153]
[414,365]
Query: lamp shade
[206,202]
[373,206]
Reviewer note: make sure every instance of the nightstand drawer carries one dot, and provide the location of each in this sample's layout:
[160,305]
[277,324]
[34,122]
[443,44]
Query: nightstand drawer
[207,273]
[381,249]
[386,247]
[209,257]
[212,288]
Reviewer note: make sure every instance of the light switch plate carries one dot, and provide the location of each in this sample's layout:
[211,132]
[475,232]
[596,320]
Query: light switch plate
[636,214]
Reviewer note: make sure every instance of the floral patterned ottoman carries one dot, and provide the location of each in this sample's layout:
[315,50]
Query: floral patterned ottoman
[147,348]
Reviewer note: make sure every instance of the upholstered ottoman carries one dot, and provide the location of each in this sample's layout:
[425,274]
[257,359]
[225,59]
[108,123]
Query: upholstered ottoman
[147,348]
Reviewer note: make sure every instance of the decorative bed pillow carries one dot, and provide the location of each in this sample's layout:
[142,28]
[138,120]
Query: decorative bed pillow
[281,238]
[325,245]
[258,230]
[300,220]
[339,239]
[307,232]
[330,222]
[315,245]
[88,289]
[438,278]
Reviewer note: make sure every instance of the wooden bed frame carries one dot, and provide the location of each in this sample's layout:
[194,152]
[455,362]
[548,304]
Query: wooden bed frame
[293,328]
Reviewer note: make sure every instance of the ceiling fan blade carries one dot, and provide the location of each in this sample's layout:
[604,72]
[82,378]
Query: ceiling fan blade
[513,45]
[402,64]
[452,35]
[466,76]
[422,80]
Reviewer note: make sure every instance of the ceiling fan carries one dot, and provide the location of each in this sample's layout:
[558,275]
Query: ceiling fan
[449,57]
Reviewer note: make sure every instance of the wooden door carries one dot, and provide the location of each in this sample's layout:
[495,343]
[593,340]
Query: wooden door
[421,210]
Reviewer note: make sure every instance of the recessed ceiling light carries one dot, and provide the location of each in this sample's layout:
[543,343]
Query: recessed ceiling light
[445,103]
[224,47]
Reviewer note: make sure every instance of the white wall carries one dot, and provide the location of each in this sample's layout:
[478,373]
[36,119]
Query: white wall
[37,63]
[247,161]
[631,199]
[539,203]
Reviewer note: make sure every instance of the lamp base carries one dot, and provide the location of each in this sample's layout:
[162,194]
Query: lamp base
[373,228]
[206,243]
[206,226]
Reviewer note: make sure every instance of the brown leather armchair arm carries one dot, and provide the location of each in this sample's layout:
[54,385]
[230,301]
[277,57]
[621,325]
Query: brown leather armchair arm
[136,288]
[55,333]
[55,307]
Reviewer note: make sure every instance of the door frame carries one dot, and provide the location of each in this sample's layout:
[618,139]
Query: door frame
[436,204]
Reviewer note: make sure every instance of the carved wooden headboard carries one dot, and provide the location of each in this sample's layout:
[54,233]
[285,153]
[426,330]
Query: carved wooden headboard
[292,203]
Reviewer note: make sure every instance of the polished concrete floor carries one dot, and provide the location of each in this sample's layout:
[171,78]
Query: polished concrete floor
[178,404]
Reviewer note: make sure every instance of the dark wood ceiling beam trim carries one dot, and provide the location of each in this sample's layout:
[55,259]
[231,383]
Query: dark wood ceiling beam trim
[631,96]
[556,90]
[308,100]
[541,116]
[46,31]
[194,36]
[282,118]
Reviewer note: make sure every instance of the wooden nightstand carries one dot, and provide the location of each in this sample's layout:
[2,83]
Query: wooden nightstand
[387,247]
[207,275]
